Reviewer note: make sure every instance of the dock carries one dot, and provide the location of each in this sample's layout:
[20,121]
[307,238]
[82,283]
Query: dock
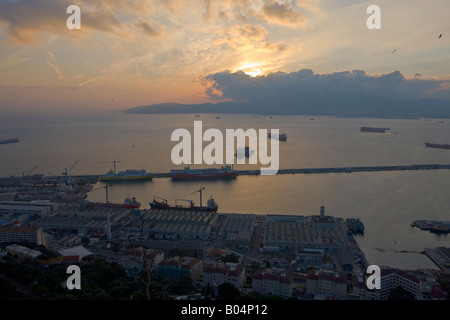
[8,181]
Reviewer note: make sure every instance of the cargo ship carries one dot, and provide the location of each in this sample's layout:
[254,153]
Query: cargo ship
[161,204]
[199,174]
[371,129]
[127,175]
[436,145]
[129,203]
[14,140]
[281,137]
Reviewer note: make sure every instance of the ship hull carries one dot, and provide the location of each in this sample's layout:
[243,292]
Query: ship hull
[204,176]
[124,178]
[9,141]
[369,129]
[157,206]
[438,146]
[112,205]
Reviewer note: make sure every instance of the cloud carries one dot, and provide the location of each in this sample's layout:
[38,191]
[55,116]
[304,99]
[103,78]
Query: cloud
[239,86]
[148,29]
[26,20]
[282,13]
[53,63]
[14,59]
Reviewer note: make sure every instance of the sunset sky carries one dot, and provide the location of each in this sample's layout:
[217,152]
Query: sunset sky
[138,52]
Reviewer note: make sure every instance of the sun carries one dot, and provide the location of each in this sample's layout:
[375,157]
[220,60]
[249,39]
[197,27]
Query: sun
[253,69]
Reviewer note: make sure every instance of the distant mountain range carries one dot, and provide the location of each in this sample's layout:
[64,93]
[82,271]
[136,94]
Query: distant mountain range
[325,105]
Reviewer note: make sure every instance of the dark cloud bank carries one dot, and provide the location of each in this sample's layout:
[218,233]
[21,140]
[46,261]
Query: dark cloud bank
[349,94]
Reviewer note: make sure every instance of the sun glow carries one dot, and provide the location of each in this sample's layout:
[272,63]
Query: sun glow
[253,69]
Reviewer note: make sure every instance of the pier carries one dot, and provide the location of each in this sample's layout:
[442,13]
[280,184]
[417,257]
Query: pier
[9,181]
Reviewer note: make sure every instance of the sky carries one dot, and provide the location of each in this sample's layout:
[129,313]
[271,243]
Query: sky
[137,52]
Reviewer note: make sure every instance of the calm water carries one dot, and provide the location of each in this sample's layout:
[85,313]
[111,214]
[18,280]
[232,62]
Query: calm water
[386,202]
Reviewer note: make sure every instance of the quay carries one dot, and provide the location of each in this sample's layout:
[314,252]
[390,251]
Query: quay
[93,178]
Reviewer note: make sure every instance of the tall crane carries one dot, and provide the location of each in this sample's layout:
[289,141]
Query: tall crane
[66,172]
[108,214]
[200,191]
[25,176]
[29,172]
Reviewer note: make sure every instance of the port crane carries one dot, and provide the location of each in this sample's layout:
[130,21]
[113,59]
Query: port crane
[25,176]
[165,200]
[200,191]
[29,172]
[108,214]
[66,172]
[190,201]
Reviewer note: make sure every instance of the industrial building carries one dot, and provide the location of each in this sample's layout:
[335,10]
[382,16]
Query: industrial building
[15,233]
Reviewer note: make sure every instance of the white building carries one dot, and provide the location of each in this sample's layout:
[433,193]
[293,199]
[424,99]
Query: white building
[273,282]
[326,284]
[216,274]
[22,252]
[392,278]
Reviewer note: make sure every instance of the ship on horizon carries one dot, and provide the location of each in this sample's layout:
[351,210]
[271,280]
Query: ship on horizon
[187,173]
[5,141]
[130,174]
[436,145]
[372,129]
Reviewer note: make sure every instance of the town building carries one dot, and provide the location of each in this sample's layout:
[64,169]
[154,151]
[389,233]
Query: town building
[137,259]
[273,281]
[216,274]
[16,233]
[177,268]
[22,253]
[326,284]
[392,278]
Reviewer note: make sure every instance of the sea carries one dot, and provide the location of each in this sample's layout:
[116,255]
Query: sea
[91,143]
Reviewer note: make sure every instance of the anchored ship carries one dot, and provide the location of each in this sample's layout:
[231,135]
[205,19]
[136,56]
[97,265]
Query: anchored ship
[281,137]
[160,203]
[129,203]
[9,141]
[371,129]
[199,174]
[436,145]
[127,175]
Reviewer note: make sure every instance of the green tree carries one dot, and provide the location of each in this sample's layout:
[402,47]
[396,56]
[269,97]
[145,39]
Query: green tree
[228,291]
[398,293]
[444,282]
